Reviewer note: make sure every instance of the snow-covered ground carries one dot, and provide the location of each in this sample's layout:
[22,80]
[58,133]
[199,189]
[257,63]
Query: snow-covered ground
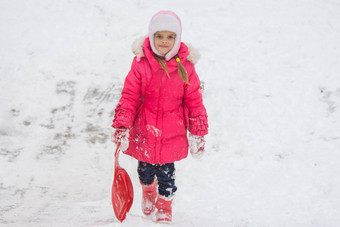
[272,76]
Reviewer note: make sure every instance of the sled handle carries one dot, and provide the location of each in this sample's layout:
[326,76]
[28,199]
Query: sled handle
[118,145]
[116,155]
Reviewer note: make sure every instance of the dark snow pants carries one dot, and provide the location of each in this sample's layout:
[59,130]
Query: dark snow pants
[165,176]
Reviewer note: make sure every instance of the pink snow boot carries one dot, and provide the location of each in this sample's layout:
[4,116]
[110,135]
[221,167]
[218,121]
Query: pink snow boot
[149,197]
[164,209]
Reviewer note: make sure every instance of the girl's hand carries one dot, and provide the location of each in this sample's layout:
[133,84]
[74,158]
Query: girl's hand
[121,136]
[196,145]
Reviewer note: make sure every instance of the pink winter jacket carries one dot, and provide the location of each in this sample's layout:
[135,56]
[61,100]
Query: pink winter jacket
[159,110]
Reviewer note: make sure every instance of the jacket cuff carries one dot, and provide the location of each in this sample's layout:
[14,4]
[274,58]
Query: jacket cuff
[198,123]
[122,118]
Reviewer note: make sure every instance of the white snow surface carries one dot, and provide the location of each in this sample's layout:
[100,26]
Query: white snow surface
[272,81]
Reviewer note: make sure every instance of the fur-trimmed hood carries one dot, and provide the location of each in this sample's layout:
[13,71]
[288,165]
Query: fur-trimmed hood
[138,45]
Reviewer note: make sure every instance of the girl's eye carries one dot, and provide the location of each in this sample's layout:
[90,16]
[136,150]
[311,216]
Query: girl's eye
[158,36]
[171,37]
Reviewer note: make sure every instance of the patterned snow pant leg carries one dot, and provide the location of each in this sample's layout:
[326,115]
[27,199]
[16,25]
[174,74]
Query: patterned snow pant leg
[165,176]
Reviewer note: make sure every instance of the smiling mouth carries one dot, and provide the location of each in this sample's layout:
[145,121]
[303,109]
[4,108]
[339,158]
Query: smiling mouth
[163,46]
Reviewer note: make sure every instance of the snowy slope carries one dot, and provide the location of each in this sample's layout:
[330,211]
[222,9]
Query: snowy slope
[271,70]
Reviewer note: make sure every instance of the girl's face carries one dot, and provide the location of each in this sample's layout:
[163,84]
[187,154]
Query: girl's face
[164,41]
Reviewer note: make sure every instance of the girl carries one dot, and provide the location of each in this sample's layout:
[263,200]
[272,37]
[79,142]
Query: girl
[160,101]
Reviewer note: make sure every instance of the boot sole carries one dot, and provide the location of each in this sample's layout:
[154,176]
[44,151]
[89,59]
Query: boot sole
[163,221]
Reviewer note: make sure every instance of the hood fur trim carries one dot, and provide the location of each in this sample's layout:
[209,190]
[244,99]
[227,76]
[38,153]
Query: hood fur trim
[194,55]
[138,44]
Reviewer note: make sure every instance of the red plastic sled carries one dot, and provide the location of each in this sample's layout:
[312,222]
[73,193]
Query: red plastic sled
[122,190]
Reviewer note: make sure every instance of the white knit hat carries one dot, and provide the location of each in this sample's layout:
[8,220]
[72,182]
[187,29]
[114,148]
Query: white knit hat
[166,21]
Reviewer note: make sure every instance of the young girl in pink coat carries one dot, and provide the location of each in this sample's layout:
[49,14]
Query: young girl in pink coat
[161,101]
